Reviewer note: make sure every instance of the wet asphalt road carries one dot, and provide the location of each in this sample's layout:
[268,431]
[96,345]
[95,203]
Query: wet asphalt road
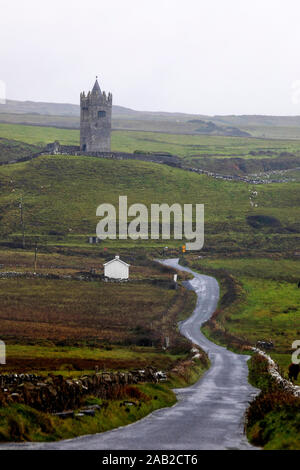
[208,415]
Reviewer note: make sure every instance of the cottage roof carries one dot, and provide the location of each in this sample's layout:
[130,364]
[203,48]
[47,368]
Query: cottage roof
[116,259]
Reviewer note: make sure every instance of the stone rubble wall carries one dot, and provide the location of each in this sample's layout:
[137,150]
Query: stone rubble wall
[32,275]
[86,276]
[23,159]
[55,393]
[273,369]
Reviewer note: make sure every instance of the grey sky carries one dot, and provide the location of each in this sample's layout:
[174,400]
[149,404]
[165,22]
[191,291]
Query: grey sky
[198,56]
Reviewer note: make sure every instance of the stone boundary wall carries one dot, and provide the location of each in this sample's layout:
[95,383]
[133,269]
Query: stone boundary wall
[32,275]
[24,159]
[165,159]
[273,370]
[73,150]
[170,160]
[56,393]
[85,276]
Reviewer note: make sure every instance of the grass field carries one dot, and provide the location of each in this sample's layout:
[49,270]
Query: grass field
[92,313]
[181,145]
[275,267]
[38,135]
[195,146]
[79,360]
[271,310]
[70,325]
[268,307]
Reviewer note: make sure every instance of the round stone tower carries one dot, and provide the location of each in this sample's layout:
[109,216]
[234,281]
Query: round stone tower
[95,120]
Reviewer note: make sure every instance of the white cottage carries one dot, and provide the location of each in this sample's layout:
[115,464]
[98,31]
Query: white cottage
[116,269]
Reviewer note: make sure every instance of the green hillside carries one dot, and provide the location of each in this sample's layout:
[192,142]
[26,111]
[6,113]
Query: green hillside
[14,150]
[61,193]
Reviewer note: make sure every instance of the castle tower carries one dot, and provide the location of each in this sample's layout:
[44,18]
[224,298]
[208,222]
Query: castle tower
[95,120]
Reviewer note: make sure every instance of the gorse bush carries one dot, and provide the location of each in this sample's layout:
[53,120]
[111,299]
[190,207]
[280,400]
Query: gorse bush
[274,401]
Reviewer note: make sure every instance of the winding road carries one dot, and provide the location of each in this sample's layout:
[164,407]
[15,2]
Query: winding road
[208,415]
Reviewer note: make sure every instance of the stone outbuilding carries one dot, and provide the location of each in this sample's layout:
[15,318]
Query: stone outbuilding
[116,269]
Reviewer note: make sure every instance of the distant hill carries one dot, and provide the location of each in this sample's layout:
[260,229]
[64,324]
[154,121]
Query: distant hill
[258,120]
[32,107]
[209,127]
[53,109]
[66,115]
[67,109]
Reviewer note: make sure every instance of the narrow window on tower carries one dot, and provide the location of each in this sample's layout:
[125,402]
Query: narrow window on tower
[101,114]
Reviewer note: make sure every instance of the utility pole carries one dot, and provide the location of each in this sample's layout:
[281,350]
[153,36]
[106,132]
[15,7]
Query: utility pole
[22,221]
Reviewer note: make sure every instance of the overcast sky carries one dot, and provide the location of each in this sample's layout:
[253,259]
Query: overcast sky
[196,56]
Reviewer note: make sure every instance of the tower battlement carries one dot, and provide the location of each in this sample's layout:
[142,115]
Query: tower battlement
[95,120]
[101,98]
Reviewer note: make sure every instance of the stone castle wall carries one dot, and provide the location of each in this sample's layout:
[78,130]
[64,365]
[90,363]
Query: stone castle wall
[56,148]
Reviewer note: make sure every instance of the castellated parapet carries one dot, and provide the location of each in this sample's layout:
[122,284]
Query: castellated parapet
[95,120]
